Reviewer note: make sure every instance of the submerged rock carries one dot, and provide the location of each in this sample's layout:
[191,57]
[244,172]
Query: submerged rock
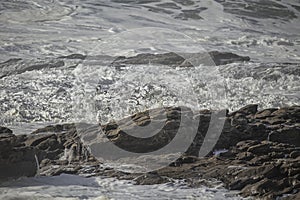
[74,56]
[181,59]
[19,66]
[223,58]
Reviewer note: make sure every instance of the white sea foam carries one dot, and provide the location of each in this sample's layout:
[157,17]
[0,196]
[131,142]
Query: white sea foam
[38,31]
[76,187]
[99,94]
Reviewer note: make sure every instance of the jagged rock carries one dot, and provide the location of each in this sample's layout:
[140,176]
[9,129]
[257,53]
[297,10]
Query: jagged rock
[262,159]
[29,151]
[269,179]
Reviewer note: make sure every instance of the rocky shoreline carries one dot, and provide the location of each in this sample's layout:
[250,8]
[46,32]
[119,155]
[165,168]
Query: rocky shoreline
[261,156]
[17,65]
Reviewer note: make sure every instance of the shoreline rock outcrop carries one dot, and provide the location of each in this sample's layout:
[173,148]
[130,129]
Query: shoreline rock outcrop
[260,150]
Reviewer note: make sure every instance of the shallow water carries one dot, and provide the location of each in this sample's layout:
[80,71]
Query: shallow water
[75,187]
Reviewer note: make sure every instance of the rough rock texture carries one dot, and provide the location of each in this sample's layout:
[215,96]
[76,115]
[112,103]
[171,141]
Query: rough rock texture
[280,125]
[261,169]
[51,143]
[260,154]
[16,66]
[171,119]
[182,60]
[15,159]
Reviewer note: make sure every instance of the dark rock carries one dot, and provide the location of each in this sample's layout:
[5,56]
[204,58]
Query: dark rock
[16,159]
[292,112]
[274,120]
[151,179]
[289,135]
[17,162]
[247,110]
[247,156]
[55,128]
[190,14]
[169,5]
[292,196]
[170,59]
[159,10]
[223,58]
[30,150]
[269,179]
[185,2]
[259,149]
[258,9]
[294,154]
[184,160]
[7,142]
[5,130]
[265,113]
[240,183]
[181,60]
[19,66]
[155,139]
[261,158]
[37,139]
[73,56]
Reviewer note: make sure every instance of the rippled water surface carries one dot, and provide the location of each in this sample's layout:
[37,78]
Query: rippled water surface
[74,187]
[266,30]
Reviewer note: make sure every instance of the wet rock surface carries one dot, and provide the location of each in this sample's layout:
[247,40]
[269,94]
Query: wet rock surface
[182,59]
[260,150]
[261,169]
